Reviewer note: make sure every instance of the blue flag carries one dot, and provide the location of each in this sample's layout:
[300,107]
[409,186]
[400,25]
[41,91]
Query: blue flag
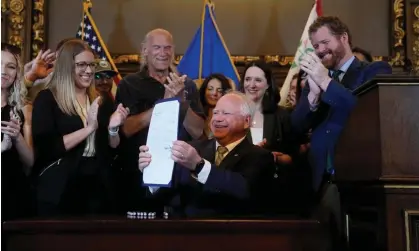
[208,52]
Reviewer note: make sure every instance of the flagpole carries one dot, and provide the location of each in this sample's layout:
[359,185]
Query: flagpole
[211,14]
[86,5]
[201,53]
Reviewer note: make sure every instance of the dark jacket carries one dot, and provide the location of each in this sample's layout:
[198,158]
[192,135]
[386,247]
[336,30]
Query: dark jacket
[328,121]
[54,166]
[241,185]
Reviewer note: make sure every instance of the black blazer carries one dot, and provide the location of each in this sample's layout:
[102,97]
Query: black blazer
[241,185]
[49,125]
[277,131]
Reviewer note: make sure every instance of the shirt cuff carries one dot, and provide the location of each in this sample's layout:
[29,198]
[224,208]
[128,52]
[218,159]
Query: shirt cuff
[325,84]
[204,173]
[153,189]
[313,101]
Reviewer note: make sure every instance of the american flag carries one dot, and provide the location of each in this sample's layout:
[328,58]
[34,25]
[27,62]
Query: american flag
[89,32]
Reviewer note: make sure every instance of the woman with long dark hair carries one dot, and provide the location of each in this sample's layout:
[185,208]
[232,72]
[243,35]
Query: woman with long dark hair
[212,89]
[271,129]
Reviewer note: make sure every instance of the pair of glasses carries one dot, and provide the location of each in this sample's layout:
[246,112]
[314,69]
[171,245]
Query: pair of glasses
[83,65]
[102,76]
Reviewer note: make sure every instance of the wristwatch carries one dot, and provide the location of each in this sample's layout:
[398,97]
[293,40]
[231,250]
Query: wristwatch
[198,167]
[113,131]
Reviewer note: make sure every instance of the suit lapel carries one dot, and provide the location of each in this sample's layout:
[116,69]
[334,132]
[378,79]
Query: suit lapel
[269,127]
[249,137]
[208,151]
[235,155]
[351,75]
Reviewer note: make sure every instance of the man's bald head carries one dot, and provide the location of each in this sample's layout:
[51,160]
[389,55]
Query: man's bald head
[157,32]
[158,50]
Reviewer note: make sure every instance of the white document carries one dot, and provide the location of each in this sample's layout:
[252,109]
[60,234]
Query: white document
[162,132]
[257,135]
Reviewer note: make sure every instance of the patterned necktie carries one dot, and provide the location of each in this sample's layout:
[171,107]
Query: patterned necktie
[336,75]
[219,155]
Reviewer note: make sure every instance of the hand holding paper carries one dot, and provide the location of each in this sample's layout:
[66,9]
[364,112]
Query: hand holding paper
[144,158]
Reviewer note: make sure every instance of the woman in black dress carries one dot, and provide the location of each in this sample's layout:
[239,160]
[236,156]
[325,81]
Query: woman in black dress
[17,155]
[72,144]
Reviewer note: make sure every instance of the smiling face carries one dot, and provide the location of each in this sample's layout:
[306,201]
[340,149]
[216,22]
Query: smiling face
[159,51]
[213,92]
[8,69]
[292,94]
[103,82]
[255,83]
[328,47]
[84,70]
[228,123]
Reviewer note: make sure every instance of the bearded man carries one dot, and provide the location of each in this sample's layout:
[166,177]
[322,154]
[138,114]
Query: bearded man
[327,100]
[326,103]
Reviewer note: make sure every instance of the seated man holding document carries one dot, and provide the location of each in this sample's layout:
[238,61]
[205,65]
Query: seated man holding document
[226,175]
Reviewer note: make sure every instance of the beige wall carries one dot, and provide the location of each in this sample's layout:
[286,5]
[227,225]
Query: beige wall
[249,27]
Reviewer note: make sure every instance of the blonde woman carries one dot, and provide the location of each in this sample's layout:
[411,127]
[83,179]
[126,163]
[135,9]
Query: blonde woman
[16,154]
[72,148]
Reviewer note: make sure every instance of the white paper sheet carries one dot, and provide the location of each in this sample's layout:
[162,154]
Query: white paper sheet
[162,132]
[257,135]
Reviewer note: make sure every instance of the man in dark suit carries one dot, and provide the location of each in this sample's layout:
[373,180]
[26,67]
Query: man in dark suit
[327,101]
[333,73]
[224,176]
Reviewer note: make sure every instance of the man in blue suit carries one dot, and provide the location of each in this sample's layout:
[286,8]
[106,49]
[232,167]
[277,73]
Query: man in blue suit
[333,72]
[325,105]
[224,176]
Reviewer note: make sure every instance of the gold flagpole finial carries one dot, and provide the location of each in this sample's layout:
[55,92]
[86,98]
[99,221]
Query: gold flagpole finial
[87,4]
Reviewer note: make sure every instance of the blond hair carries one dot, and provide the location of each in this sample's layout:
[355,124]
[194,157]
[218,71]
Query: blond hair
[146,43]
[62,83]
[17,91]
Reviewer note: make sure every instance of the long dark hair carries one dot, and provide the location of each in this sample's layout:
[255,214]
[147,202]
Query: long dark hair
[271,97]
[225,85]
[299,89]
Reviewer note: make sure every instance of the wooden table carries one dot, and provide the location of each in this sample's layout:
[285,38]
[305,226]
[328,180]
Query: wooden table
[151,235]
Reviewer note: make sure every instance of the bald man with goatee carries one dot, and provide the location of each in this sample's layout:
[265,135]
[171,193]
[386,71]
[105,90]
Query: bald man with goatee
[157,79]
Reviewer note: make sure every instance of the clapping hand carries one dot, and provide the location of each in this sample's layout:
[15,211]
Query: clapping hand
[176,86]
[119,116]
[12,127]
[92,114]
[314,67]
[314,88]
